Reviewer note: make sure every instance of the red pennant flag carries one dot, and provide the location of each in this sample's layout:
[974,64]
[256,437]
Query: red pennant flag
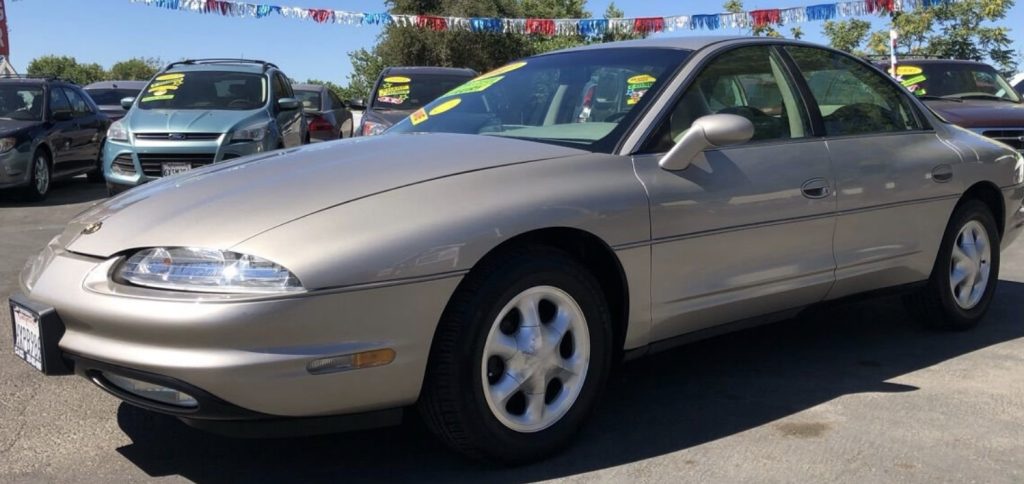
[320,15]
[540,26]
[762,18]
[431,22]
[649,25]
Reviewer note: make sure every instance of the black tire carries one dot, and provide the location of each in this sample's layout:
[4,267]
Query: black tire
[935,305]
[453,402]
[96,175]
[35,191]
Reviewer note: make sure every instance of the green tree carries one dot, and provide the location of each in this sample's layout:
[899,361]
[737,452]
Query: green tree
[847,35]
[135,69]
[66,67]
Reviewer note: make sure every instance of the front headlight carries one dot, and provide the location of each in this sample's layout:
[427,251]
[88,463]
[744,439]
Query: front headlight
[116,132]
[206,270]
[371,128]
[7,144]
[255,132]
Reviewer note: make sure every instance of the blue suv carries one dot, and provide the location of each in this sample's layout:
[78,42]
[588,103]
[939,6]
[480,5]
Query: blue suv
[198,112]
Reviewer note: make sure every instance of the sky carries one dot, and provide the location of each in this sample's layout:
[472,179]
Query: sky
[106,31]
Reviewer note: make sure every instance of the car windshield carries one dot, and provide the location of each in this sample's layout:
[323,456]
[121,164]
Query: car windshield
[237,91]
[955,81]
[111,97]
[21,102]
[310,99]
[584,99]
[408,92]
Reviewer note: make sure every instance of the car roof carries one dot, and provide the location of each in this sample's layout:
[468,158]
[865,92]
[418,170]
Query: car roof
[117,85]
[421,70]
[220,66]
[308,87]
[682,43]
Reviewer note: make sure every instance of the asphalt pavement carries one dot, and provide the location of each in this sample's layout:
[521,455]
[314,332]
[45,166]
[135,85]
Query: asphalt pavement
[856,393]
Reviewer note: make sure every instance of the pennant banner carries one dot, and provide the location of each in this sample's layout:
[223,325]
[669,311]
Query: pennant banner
[554,27]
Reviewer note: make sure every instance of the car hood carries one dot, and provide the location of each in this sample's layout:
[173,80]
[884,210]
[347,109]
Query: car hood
[11,126]
[225,204]
[980,114]
[189,120]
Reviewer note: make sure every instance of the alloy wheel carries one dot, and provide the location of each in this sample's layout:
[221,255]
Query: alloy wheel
[42,175]
[970,265]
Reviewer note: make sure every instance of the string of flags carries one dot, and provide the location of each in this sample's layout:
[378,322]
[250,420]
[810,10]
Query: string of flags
[591,27]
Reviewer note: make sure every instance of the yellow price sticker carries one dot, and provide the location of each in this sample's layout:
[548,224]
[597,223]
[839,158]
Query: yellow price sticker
[445,106]
[397,80]
[503,70]
[418,117]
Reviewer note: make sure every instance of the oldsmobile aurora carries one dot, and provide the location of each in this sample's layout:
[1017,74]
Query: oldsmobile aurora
[493,255]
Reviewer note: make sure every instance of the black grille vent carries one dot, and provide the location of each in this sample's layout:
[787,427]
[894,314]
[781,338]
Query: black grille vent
[153,163]
[177,136]
[125,164]
[1012,137]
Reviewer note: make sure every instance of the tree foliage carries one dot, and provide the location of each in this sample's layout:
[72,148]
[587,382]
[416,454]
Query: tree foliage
[66,67]
[135,69]
[847,35]
[410,46]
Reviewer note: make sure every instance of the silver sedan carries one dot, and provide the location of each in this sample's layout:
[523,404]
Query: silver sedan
[491,257]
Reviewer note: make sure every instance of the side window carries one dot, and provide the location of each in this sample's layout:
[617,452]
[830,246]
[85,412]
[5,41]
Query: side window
[58,102]
[78,104]
[748,82]
[335,102]
[853,98]
[281,87]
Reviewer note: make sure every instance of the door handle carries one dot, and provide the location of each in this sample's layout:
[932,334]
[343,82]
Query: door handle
[816,188]
[942,173]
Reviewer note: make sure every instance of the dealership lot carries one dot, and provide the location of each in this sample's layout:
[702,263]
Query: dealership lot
[851,393]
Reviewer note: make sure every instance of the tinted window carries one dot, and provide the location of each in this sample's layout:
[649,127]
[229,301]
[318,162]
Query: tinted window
[955,80]
[584,99]
[111,97]
[78,103]
[853,98]
[310,99]
[58,102]
[748,82]
[205,90]
[21,102]
[281,87]
[335,101]
[411,92]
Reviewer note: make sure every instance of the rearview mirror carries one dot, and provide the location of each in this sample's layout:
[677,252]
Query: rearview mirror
[127,102]
[714,131]
[357,104]
[288,103]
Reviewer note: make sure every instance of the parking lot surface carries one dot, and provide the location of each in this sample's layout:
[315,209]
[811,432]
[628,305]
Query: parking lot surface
[853,393]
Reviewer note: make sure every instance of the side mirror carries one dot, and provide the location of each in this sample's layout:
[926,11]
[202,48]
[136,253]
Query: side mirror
[714,131]
[64,115]
[288,103]
[358,104]
[127,102]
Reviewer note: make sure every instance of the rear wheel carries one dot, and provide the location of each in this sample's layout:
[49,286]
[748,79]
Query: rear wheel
[42,174]
[519,358]
[966,271]
[96,175]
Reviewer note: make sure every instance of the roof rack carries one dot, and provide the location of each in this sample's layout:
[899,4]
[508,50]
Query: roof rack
[192,62]
[40,78]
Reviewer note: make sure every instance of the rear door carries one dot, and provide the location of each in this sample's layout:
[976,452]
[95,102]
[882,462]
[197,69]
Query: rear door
[745,230]
[86,134]
[62,136]
[896,183]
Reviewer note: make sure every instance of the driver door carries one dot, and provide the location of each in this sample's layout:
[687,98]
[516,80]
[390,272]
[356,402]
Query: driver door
[744,230]
[288,120]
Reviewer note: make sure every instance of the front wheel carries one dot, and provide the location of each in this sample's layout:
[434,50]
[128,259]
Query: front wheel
[966,271]
[42,174]
[96,175]
[519,358]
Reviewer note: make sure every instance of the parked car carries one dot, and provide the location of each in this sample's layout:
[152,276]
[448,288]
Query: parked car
[969,94]
[108,95]
[200,112]
[1018,83]
[491,257]
[49,129]
[401,90]
[327,116]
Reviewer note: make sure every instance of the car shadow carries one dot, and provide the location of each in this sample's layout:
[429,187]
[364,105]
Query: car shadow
[63,192]
[653,406]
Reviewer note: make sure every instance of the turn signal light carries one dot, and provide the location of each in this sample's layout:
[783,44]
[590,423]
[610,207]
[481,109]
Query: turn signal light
[366,359]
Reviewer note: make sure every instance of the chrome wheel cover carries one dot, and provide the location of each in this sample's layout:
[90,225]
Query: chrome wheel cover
[42,175]
[535,359]
[970,265]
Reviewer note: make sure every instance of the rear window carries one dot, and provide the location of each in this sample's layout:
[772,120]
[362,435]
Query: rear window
[413,91]
[954,80]
[235,91]
[111,97]
[310,99]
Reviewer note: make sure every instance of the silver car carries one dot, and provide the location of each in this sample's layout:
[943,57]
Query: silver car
[496,253]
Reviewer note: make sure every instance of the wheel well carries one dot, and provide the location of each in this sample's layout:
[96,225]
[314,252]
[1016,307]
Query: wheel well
[45,149]
[988,194]
[595,255]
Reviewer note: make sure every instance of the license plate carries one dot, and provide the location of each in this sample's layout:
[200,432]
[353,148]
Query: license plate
[175,168]
[28,344]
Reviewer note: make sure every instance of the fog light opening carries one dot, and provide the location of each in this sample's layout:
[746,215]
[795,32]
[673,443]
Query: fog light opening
[151,391]
[355,361]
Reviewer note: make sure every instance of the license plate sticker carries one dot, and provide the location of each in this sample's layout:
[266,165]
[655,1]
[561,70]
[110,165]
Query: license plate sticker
[28,345]
[175,168]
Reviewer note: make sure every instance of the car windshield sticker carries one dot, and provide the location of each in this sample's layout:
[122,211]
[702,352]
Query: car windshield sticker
[907,70]
[637,86]
[914,85]
[394,90]
[479,84]
[418,117]
[502,70]
[445,106]
[163,87]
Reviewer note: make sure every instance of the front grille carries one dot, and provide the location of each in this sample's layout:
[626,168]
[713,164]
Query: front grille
[153,163]
[123,165]
[177,136]
[1012,137]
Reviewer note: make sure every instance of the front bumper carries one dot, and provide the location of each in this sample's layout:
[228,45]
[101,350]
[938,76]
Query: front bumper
[213,151]
[1013,198]
[253,355]
[15,168]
